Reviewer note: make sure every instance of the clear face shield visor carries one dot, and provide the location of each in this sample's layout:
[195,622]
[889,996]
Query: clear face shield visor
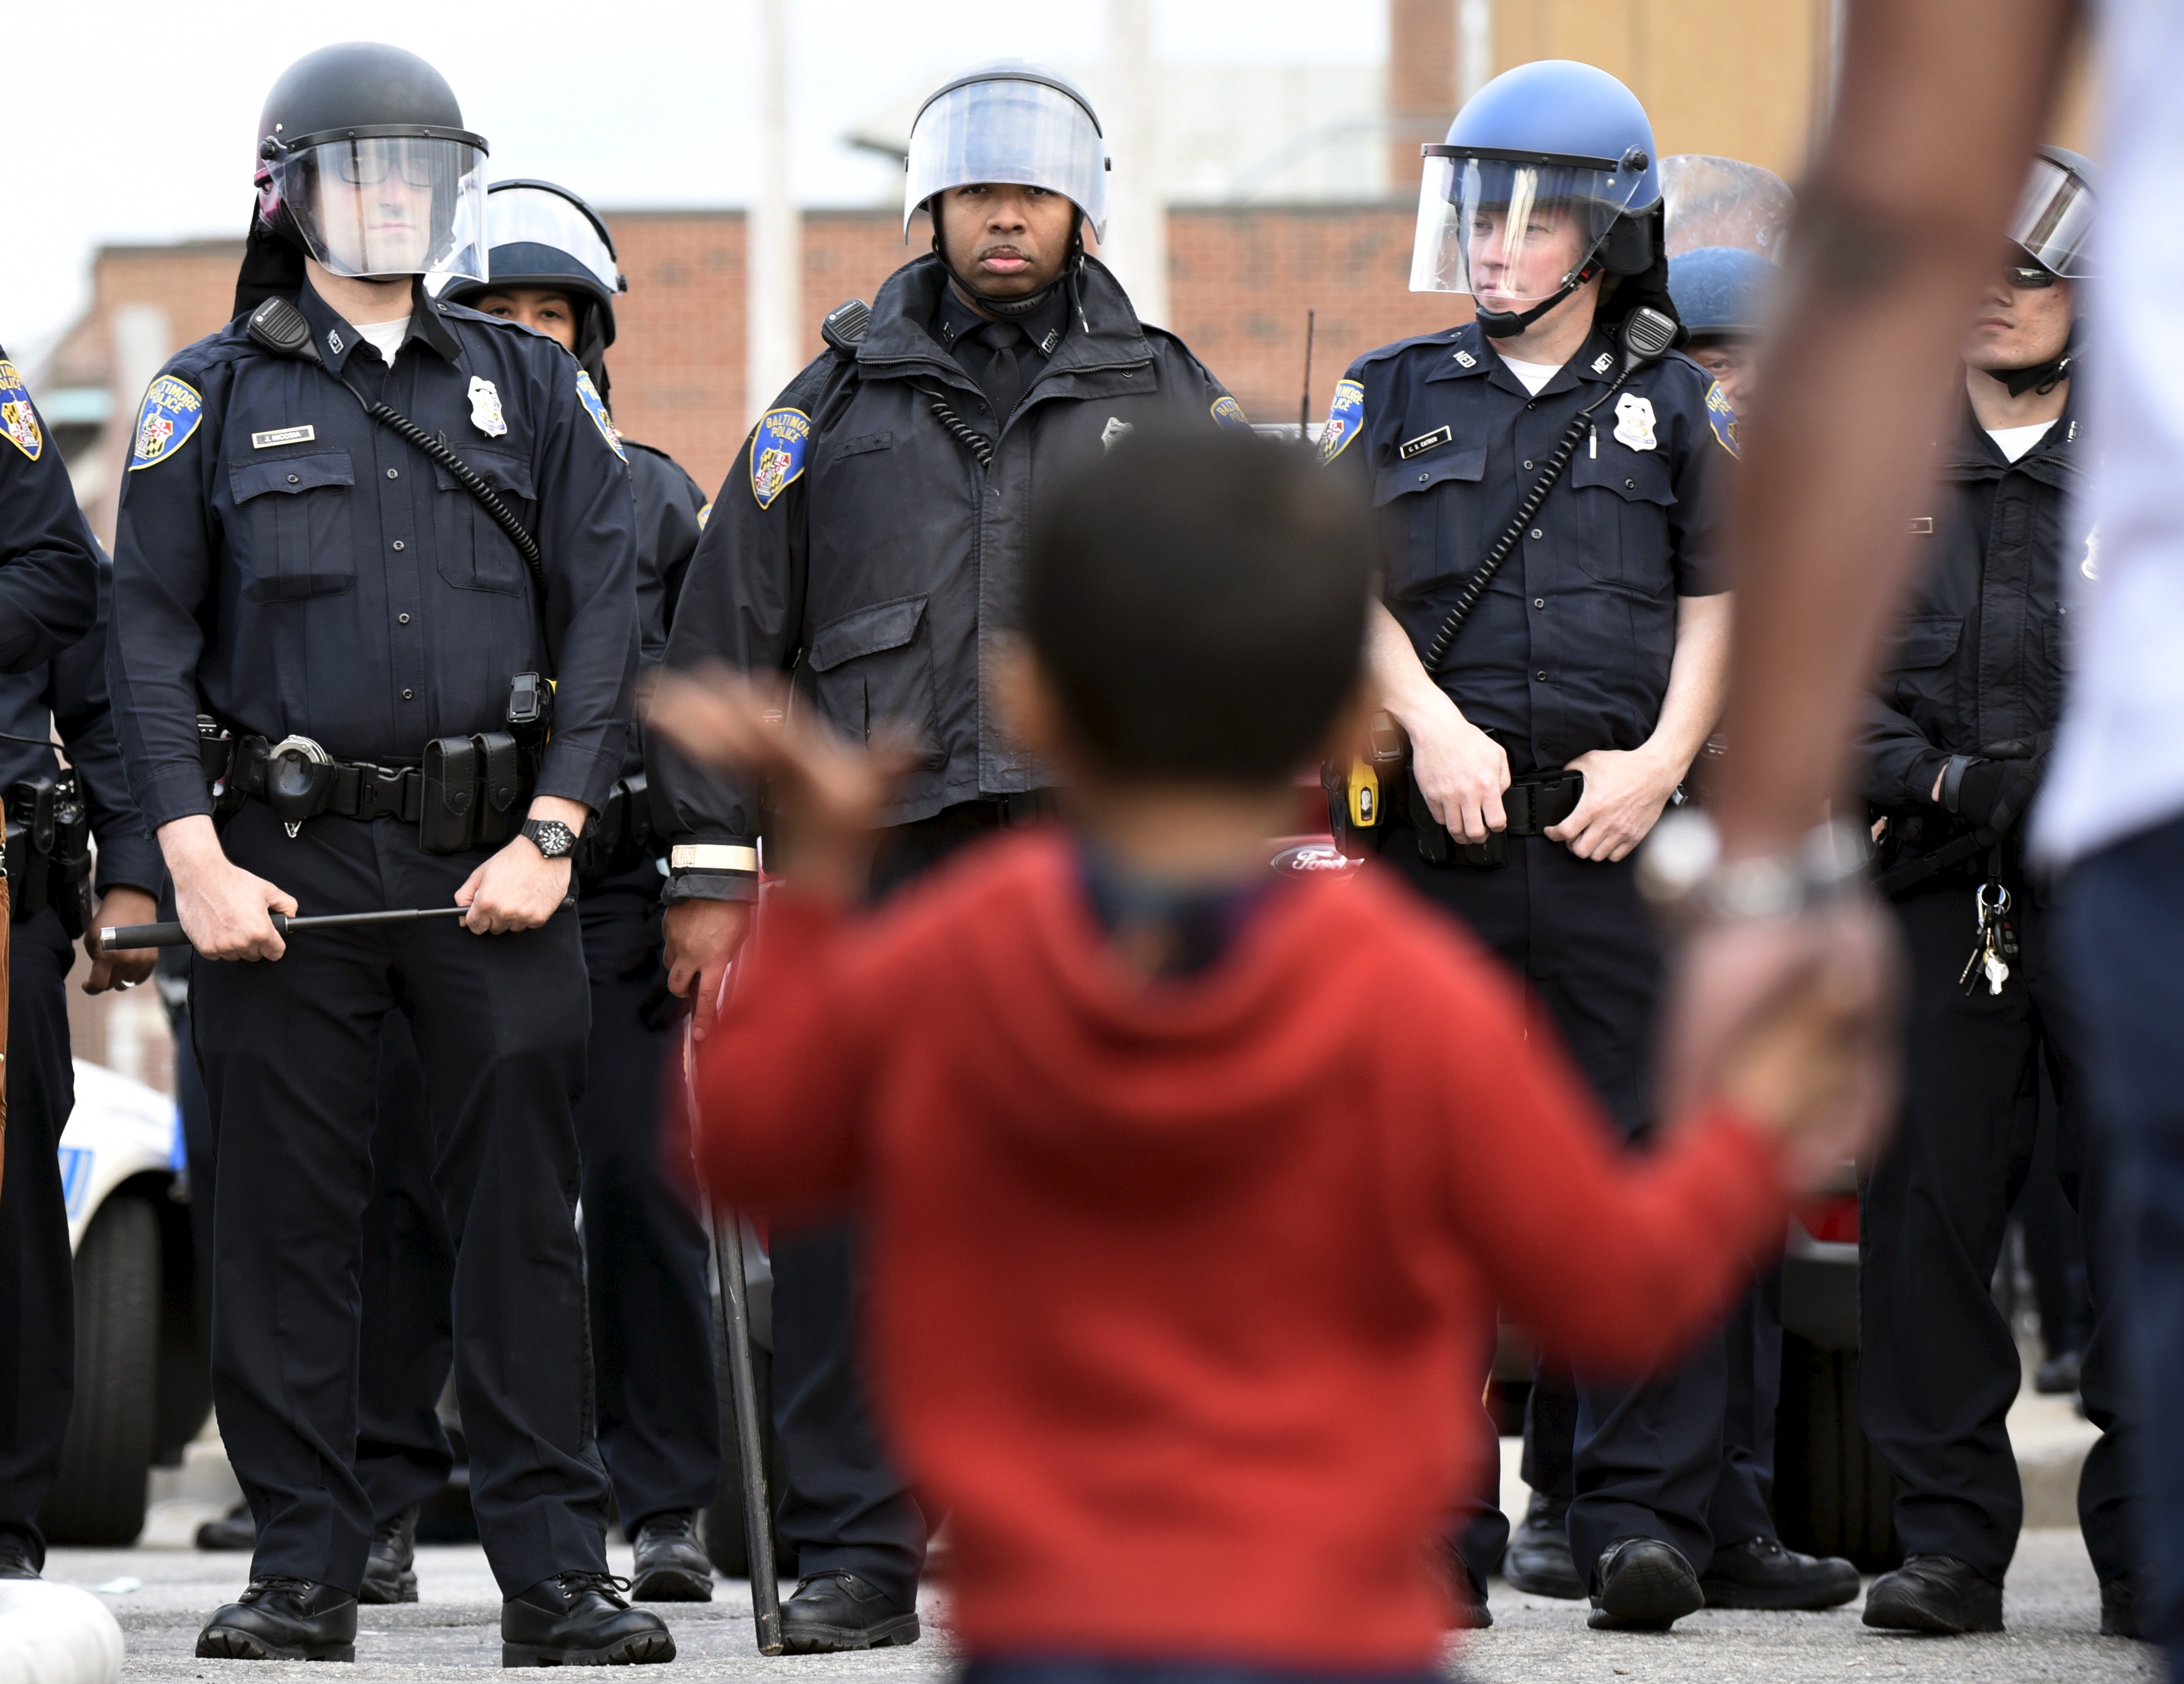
[1513,233]
[1026,133]
[391,205]
[2054,220]
[1711,202]
[542,219]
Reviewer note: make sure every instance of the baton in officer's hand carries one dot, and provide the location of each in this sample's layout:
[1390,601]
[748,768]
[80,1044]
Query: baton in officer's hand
[171,935]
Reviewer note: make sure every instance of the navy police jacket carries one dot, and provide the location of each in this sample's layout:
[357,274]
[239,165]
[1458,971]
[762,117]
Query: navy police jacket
[48,581]
[68,694]
[861,547]
[1977,656]
[289,565]
[1569,649]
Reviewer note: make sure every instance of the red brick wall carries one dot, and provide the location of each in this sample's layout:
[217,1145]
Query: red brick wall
[1241,281]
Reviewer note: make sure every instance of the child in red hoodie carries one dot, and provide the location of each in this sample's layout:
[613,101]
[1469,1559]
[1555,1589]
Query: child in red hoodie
[1187,1194]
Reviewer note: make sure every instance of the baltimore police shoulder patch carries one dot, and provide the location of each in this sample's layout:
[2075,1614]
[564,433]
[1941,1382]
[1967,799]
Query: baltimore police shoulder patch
[705,515]
[17,418]
[1722,418]
[1230,413]
[172,409]
[778,442]
[1344,416]
[589,395]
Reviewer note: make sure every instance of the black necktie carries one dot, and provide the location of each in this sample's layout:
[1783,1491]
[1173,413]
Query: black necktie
[1003,381]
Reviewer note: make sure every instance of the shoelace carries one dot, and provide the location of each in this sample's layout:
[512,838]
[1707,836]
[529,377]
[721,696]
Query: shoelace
[574,1585]
[270,1582]
[674,1522]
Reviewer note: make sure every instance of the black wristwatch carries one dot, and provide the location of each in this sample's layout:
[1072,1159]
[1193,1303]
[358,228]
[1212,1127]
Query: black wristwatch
[550,837]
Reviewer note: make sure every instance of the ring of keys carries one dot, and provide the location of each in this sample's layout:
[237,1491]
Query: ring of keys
[1997,943]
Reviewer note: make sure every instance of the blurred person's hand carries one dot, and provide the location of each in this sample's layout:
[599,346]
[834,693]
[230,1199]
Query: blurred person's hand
[1794,1021]
[117,907]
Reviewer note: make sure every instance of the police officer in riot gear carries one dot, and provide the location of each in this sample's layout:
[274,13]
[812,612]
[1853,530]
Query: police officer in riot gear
[553,270]
[1719,292]
[871,542]
[361,532]
[52,674]
[1552,707]
[1956,740]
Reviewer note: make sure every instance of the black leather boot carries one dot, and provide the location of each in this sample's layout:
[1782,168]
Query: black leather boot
[2120,1607]
[580,1619]
[282,1619]
[1760,1573]
[18,1560]
[1936,1594]
[832,1612]
[671,1567]
[1467,1591]
[234,1529]
[1537,1560]
[390,1572]
[1645,1586]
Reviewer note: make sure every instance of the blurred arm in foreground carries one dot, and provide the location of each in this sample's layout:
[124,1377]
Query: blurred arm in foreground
[1939,108]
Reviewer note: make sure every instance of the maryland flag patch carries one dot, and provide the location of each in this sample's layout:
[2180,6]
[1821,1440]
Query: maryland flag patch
[778,445]
[17,418]
[1345,416]
[1722,418]
[172,409]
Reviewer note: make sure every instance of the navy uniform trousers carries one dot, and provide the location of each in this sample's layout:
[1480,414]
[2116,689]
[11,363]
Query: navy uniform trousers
[37,1277]
[655,1398]
[290,1052]
[1686,1455]
[1939,1367]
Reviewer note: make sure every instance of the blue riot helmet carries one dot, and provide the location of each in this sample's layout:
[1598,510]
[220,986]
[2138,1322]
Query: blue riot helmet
[1720,290]
[1547,180]
[541,235]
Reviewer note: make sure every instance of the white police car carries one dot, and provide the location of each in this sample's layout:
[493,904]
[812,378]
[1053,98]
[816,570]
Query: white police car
[142,1385]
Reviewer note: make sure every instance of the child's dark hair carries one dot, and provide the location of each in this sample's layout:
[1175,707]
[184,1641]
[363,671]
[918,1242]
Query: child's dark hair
[1198,599]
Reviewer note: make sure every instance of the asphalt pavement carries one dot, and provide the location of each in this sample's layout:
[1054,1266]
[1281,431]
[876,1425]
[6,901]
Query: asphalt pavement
[162,1594]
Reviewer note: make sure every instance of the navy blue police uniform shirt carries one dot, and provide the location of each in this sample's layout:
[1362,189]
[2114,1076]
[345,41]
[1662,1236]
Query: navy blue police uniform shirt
[289,565]
[48,581]
[68,696]
[1569,649]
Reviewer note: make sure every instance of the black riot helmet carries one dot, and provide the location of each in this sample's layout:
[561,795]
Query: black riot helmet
[363,163]
[541,235]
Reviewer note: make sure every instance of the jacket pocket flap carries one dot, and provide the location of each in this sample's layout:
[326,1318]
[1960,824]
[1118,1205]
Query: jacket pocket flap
[290,474]
[883,626]
[1399,479]
[503,473]
[1635,476]
[1925,642]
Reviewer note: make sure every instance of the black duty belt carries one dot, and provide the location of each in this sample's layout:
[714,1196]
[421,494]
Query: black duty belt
[354,789]
[1532,804]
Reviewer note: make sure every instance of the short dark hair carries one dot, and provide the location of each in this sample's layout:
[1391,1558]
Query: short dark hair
[1198,599]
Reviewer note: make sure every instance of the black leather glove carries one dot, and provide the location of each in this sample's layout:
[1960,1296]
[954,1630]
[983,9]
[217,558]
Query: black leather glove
[1993,788]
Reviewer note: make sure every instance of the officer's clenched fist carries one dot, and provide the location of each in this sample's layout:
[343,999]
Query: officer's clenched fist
[223,907]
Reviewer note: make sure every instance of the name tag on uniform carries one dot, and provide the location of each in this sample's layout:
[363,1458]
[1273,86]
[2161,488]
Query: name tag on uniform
[1423,443]
[284,435]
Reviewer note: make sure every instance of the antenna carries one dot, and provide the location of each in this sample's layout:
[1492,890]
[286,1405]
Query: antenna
[1304,406]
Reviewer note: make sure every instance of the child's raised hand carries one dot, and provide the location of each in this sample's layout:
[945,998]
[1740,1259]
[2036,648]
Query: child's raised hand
[826,793]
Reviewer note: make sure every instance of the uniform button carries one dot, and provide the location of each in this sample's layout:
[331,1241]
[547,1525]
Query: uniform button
[1533,404]
[1630,485]
[1422,478]
[396,473]
[1537,602]
[404,618]
[397,542]
[409,695]
[295,479]
[1527,464]
[1541,677]
[1536,532]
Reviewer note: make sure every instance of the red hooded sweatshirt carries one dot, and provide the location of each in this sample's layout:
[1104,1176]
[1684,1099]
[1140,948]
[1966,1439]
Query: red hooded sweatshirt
[1179,1290]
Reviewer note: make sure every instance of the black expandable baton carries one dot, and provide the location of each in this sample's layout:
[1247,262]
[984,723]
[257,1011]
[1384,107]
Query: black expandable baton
[728,1230]
[171,935]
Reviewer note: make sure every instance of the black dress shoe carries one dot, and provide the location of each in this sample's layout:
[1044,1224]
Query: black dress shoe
[234,1529]
[670,1566]
[832,1612]
[1537,1560]
[390,1572]
[2119,1609]
[1759,1573]
[18,1560]
[1936,1594]
[2058,1377]
[1645,1586]
[1466,1590]
[580,1619]
[282,1619]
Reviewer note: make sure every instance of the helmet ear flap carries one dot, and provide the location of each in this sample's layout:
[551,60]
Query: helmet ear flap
[1628,248]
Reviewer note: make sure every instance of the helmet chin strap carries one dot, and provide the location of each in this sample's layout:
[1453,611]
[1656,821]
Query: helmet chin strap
[1502,324]
[2041,377]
